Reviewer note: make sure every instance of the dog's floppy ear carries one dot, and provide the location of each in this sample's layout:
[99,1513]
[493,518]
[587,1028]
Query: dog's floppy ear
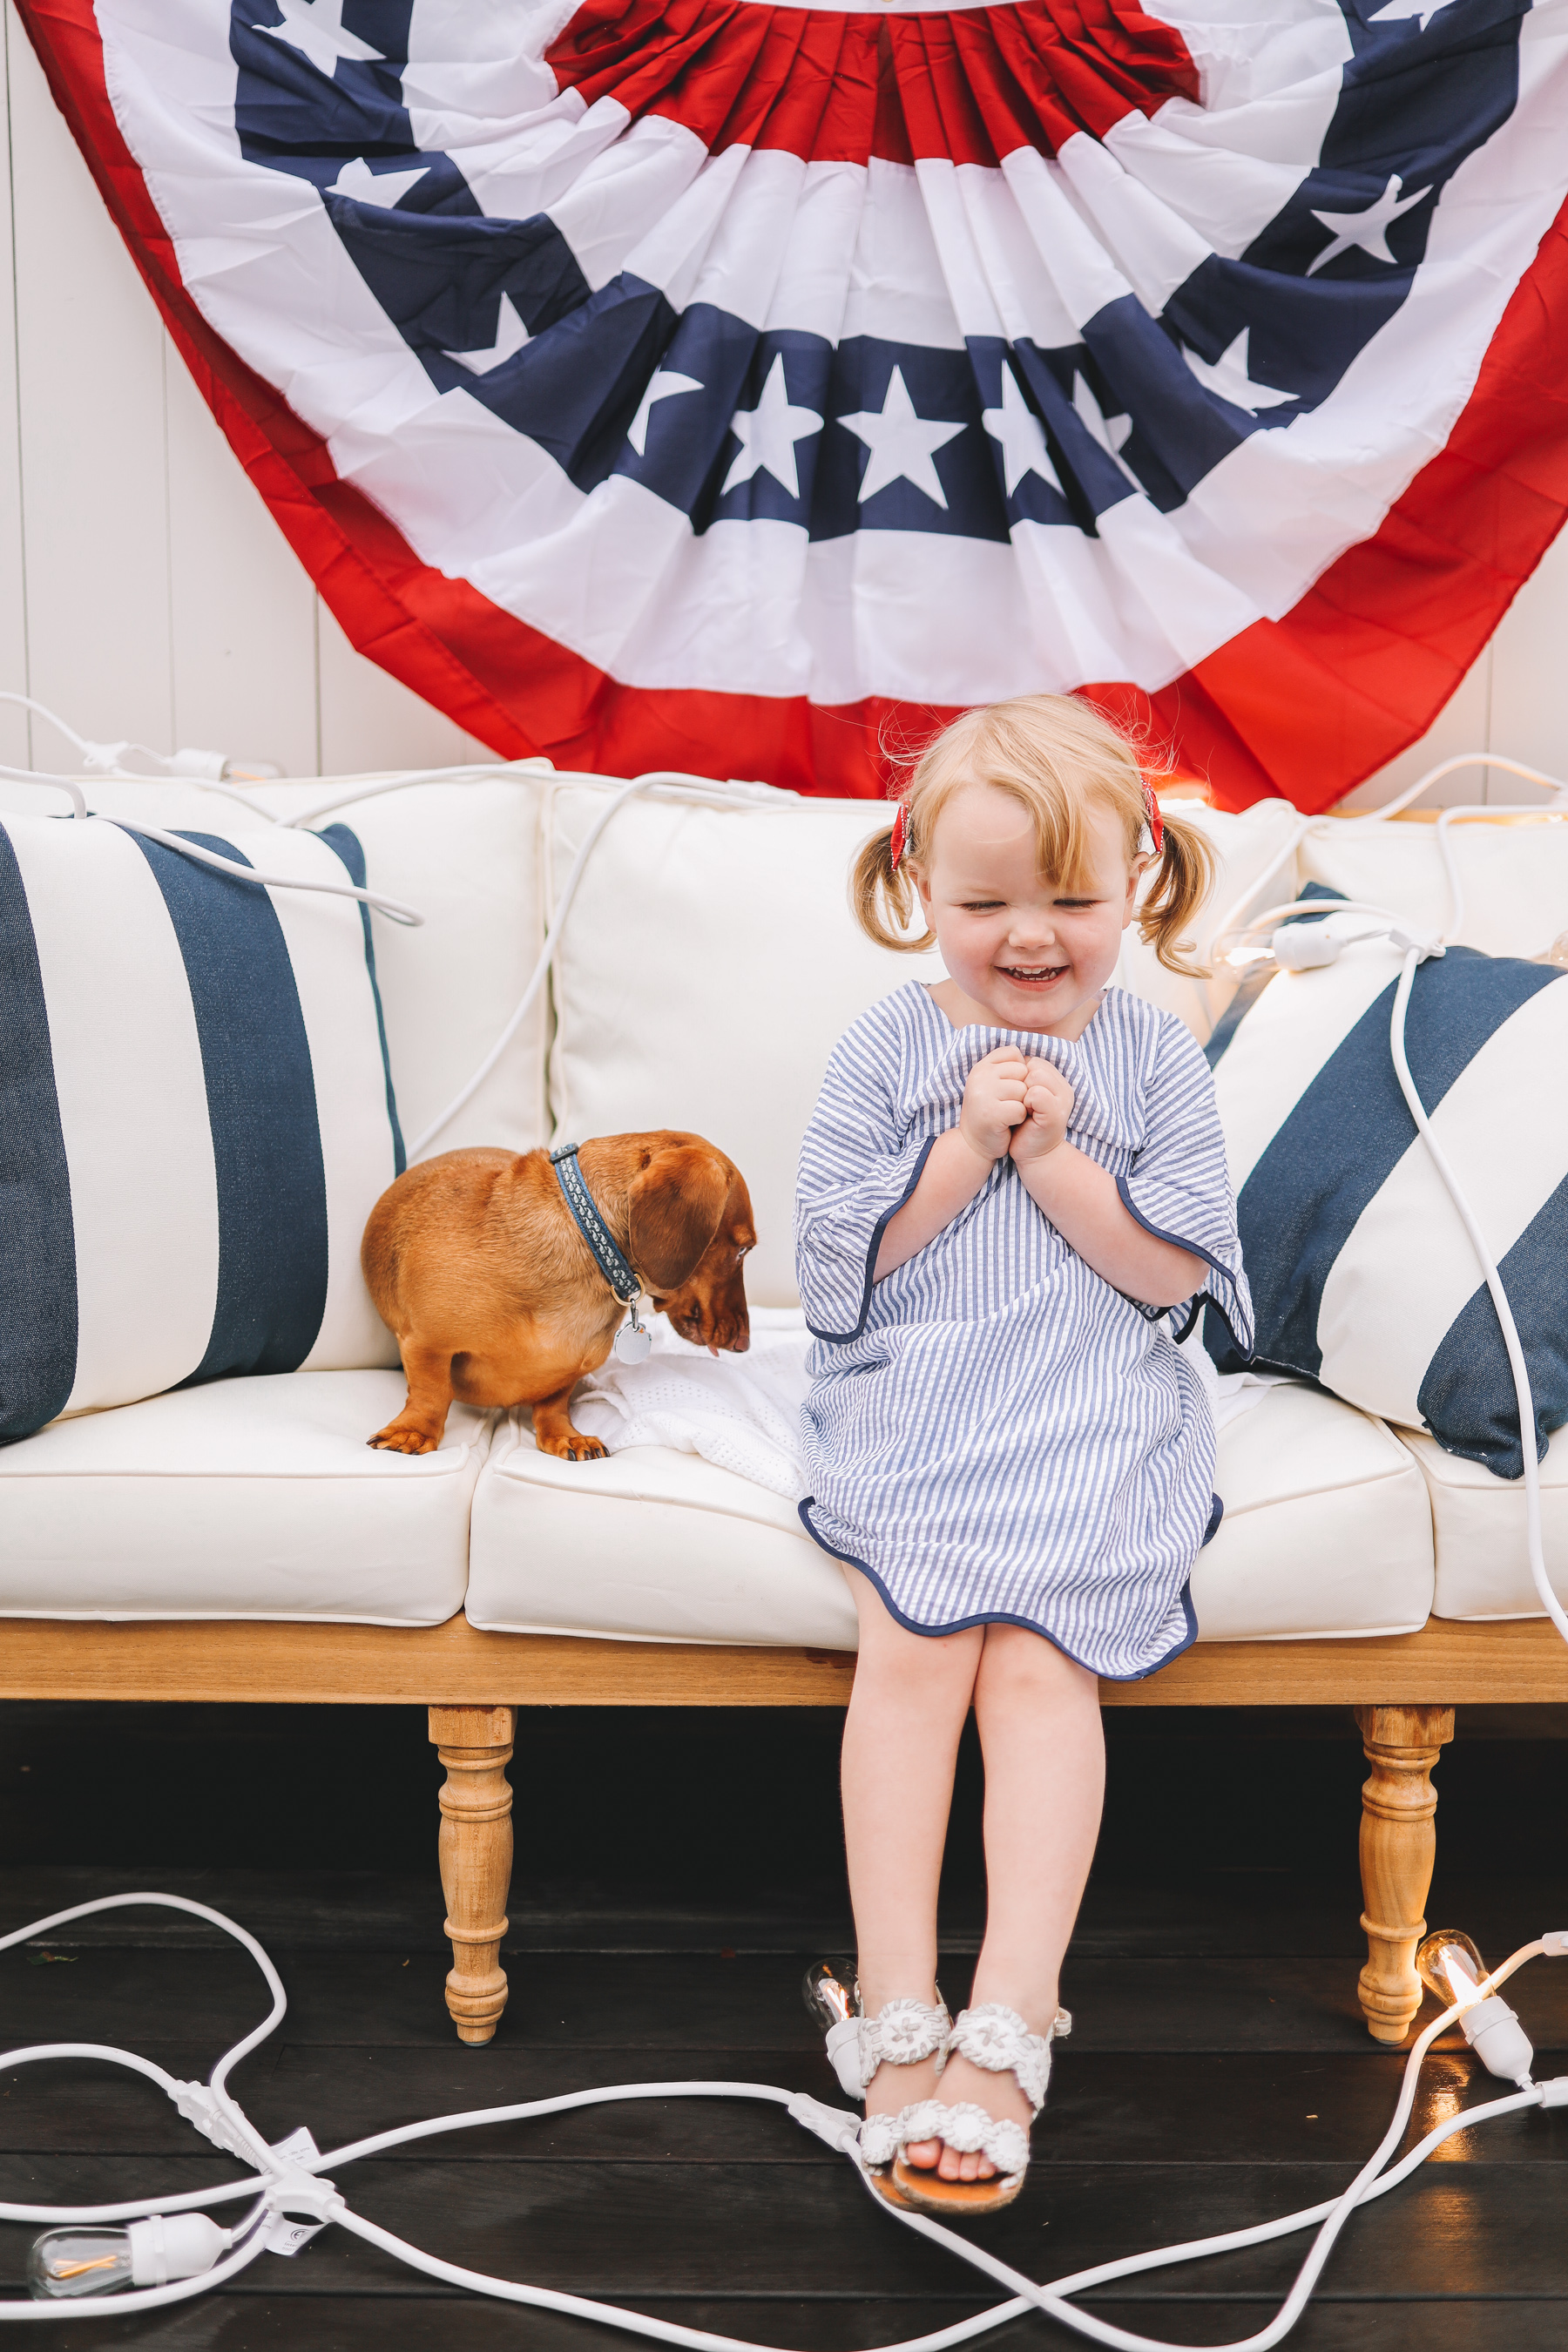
[673,1212]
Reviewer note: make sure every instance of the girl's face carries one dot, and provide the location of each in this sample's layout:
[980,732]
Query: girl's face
[1023,952]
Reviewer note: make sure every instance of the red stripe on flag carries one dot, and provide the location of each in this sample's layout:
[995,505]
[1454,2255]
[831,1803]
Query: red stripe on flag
[970,87]
[1306,706]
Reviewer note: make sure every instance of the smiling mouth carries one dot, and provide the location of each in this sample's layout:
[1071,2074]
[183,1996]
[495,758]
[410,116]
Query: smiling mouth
[1031,975]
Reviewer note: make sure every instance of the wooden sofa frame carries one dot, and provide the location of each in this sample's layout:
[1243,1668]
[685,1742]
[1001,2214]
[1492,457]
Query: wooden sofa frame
[1404,1690]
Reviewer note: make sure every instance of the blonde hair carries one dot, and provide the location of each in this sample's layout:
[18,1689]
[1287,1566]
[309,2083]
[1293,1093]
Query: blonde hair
[1058,757]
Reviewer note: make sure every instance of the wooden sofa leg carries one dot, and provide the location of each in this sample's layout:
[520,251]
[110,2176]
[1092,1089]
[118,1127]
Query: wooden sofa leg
[474,1743]
[1398,1847]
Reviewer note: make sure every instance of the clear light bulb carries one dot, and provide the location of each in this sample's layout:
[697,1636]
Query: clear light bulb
[149,2253]
[1451,1968]
[79,2262]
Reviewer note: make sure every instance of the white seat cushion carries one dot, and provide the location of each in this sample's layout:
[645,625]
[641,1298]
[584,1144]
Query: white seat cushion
[245,1498]
[1483,1567]
[1326,1531]
[652,1545]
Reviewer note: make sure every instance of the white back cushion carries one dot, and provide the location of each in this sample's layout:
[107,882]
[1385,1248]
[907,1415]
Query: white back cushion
[707,968]
[1245,847]
[711,962]
[466,855]
[1515,876]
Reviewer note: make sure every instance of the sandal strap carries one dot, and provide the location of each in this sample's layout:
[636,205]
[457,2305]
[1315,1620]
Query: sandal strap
[997,2039]
[900,2034]
[966,2128]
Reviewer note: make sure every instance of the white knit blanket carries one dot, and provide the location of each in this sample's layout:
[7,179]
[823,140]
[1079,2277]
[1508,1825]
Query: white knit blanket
[742,1413]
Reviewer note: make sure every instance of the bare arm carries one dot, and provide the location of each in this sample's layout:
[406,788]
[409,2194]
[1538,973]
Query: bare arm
[1082,1202]
[959,1162]
[953,1173]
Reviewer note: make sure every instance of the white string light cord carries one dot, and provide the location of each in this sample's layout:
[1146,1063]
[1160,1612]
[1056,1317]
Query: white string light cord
[279,2183]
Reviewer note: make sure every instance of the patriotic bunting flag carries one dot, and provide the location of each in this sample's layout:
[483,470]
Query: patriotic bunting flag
[723,385]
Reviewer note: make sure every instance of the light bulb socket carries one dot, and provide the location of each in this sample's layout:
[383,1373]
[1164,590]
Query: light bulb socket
[174,2246]
[1494,2032]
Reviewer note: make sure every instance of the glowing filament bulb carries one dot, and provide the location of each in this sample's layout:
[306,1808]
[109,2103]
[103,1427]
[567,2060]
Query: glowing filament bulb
[1450,1967]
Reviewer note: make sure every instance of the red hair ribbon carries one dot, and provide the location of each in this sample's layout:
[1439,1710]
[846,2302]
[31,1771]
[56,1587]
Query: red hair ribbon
[1156,822]
[900,840]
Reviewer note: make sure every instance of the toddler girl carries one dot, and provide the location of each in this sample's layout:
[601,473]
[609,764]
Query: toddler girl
[1009,1180]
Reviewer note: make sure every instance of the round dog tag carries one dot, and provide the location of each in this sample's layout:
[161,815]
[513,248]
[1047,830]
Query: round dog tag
[633,1344]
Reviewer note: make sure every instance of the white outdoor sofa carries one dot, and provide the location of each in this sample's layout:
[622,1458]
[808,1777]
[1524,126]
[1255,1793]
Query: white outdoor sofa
[239,1541]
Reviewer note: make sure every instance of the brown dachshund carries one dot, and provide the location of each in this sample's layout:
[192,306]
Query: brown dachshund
[476,1266]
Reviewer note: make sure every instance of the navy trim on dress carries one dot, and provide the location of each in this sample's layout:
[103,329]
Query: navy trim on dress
[1002,1617]
[842,1339]
[1194,1249]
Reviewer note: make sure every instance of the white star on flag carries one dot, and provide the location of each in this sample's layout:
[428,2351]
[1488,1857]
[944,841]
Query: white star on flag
[768,432]
[1422,10]
[1022,436]
[315,27]
[368,187]
[510,336]
[1230,378]
[1110,432]
[663,384]
[903,444]
[1366,229]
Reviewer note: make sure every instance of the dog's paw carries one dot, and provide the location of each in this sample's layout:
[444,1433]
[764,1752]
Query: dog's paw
[398,1438]
[571,1446]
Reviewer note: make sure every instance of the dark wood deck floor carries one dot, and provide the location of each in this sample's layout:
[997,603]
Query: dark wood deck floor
[674,1874]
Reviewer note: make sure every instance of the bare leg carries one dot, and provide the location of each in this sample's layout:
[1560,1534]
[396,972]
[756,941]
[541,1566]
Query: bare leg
[1041,1736]
[906,1712]
[418,1428]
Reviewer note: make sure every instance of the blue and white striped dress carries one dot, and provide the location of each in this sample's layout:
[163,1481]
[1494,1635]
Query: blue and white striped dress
[993,1433]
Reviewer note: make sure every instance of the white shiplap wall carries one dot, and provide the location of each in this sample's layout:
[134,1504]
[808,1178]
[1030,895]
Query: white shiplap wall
[145,591]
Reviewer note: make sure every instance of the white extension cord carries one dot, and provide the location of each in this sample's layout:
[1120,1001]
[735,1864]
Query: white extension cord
[283,2181]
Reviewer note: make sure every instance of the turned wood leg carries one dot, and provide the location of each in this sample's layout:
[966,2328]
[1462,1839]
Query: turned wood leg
[474,1743]
[1398,1847]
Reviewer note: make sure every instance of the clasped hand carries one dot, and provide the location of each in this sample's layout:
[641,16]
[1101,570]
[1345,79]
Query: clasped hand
[1016,1104]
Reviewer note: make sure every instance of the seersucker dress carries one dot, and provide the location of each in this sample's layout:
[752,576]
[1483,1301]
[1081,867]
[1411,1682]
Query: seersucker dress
[993,1434]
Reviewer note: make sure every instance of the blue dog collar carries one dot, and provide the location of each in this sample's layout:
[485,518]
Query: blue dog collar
[592,1228]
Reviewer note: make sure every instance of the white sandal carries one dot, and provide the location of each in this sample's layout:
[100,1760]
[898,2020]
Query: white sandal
[996,2038]
[900,2034]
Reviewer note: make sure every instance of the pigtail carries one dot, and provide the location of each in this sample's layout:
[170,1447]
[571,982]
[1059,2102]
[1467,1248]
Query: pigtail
[884,899]
[1183,875]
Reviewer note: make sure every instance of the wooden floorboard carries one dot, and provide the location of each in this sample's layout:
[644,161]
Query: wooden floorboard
[321,2322]
[1237,2107]
[654,2003]
[1219,2070]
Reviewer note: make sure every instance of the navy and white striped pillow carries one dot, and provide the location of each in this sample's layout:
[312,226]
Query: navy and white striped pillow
[197,1116]
[1363,1277]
